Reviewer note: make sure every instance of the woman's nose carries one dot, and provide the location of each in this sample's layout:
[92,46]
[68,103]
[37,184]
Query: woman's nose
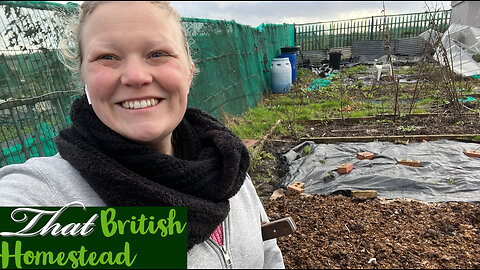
[135,73]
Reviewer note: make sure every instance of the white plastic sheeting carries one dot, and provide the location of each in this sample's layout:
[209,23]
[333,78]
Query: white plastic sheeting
[461,42]
[446,173]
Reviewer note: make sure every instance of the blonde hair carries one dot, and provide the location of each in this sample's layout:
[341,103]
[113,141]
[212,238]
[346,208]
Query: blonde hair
[71,49]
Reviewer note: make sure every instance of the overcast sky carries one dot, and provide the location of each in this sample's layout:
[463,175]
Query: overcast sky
[254,13]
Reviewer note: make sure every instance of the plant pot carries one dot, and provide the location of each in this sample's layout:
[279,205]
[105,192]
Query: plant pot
[411,163]
[345,168]
[365,155]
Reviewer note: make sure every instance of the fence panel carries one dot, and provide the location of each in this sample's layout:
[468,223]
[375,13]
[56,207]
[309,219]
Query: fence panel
[343,33]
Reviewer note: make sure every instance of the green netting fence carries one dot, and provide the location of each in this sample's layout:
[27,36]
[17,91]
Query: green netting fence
[36,89]
[234,62]
[342,33]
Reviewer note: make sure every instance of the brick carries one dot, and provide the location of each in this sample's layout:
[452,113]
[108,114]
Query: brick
[299,184]
[345,168]
[295,189]
[411,163]
[365,155]
[364,193]
[472,153]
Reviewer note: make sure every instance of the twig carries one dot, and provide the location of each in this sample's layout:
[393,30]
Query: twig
[260,144]
[342,93]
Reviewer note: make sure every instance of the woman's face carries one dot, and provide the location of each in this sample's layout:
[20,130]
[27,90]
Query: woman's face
[137,72]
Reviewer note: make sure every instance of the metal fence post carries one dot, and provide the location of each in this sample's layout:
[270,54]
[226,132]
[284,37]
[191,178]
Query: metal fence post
[371,30]
[294,35]
[330,36]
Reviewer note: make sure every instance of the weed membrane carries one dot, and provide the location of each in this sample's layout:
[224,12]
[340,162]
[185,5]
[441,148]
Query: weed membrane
[445,174]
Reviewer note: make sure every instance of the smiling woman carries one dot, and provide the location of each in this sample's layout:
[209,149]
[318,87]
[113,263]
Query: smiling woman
[135,59]
[134,142]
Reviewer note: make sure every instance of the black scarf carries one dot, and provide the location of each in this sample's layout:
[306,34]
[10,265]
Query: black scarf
[208,168]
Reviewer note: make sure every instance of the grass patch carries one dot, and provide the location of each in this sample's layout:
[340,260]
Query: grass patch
[407,71]
[353,71]
[426,101]
[285,100]
[358,100]
[362,113]
[254,123]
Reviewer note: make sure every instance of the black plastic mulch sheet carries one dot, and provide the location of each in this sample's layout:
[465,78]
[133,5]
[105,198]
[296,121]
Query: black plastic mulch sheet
[445,172]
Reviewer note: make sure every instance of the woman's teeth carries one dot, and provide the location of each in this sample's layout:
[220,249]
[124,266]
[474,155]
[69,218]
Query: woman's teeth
[140,104]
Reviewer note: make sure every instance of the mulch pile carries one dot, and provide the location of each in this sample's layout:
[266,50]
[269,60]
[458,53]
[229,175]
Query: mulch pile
[346,232]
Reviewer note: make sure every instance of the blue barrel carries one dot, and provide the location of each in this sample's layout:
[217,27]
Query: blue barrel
[280,75]
[293,62]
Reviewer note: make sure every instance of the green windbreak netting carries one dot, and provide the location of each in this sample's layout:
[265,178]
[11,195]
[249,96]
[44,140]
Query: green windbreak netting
[234,62]
[36,89]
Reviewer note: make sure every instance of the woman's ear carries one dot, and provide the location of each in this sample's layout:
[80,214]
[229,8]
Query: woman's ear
[192,69]
[190,76]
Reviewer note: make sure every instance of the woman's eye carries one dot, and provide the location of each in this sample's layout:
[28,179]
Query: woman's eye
[157,54]
[107,57]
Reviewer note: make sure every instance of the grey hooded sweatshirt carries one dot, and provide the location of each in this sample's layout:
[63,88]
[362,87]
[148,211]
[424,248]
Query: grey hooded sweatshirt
[52,181]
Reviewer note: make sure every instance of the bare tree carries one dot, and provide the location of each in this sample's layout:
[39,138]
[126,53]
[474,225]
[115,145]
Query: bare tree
[396,108]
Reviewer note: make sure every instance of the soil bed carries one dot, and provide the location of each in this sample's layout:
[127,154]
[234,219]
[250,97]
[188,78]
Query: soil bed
[432,125]
[343,232]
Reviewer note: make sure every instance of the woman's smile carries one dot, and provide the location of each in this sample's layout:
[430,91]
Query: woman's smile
[140,103]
